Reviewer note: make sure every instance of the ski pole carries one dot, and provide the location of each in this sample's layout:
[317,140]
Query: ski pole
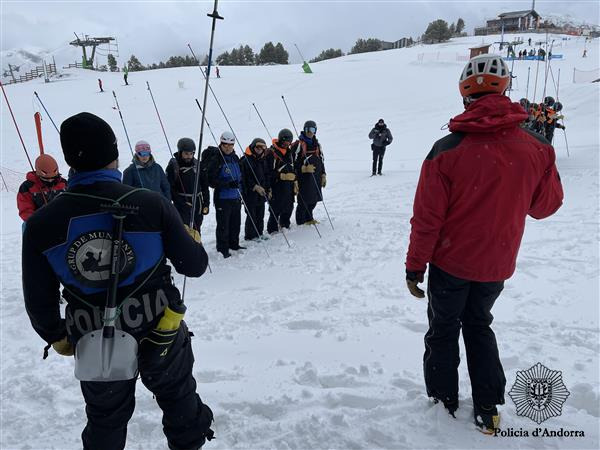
[4,182]
[128,141]
[557,84]
[169,147]
[566,142]
[263,122]
[214,15]
[313,175]
[527,89]
[47,113]
[207,124]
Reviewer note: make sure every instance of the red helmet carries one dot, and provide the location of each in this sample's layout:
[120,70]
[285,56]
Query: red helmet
[484,74]
[46,167]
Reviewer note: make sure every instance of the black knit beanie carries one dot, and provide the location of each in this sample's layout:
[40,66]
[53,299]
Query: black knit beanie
[88,142]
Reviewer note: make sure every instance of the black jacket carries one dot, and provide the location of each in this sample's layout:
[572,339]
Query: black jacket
[309,183]
[382,136]
[68,242]
[278,161]
[182,178]
[253,168]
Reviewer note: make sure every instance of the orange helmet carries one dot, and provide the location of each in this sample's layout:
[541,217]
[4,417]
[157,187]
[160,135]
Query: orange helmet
[484,74]
[46,167]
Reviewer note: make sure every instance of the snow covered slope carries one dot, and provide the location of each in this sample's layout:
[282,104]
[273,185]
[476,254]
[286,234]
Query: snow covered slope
[321,345]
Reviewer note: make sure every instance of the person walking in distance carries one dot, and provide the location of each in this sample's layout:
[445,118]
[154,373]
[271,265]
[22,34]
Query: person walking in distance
[382,137]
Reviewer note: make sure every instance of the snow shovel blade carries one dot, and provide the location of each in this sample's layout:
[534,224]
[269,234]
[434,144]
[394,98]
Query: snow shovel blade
[99,358]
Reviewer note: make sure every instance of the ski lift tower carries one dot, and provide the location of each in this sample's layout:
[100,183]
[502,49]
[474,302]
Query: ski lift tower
[92,42]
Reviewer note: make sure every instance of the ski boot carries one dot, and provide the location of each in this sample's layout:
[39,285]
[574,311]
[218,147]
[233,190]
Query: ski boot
[486,417]
[450,405]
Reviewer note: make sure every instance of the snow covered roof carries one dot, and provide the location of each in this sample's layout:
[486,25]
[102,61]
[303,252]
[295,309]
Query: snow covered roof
[515,14]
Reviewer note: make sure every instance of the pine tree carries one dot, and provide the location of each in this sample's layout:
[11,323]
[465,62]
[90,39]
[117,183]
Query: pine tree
[248,55]
[460,25]
[112,63]
[224,59]
[366,45]
[267,54]
[328,54]
[452,29]
[281,55]
[134,64]
[437,31]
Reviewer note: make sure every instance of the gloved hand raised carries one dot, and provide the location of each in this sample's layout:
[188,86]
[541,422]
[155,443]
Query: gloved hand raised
[412,280]
[308,168]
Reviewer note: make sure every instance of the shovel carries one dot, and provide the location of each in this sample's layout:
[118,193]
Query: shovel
[109,354]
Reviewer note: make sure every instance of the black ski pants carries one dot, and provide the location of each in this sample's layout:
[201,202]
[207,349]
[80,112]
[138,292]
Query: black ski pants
[229,217]
[110,405]
[254,212]
[304,212]
[281,210]
[455,303]
[378,153]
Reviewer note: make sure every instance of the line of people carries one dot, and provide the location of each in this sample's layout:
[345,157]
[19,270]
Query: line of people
[273,175]
[543,117]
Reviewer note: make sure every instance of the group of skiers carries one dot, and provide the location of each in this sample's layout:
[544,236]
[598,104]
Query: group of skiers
[273,175]
[543,117]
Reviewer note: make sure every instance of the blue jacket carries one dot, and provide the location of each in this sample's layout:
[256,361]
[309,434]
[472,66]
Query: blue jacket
[150,176]
[229,174]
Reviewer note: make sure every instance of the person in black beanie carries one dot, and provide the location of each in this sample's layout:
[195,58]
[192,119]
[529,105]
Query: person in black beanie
[382,137]
[255,188]
[67,243]
[181,173]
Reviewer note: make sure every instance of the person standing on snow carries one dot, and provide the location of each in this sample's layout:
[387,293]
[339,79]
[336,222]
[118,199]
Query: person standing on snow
[255,188]
[283,181]
[40,186]
[310,170]
[145,172]
[477,186]
[382,137]
[125,75]
[100,85]
[181,173]
[225,177]
[63,243]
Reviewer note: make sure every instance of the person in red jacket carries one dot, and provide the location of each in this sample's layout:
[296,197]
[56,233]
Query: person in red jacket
[40,186]
[476,187]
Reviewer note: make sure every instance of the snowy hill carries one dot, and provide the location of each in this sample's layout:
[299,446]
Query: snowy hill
[321,345]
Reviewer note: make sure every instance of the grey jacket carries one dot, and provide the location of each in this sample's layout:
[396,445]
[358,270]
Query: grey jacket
[382,137]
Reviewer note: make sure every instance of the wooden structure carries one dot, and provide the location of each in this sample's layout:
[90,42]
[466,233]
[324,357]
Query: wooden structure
[36,72]
[481,50]
[511,22]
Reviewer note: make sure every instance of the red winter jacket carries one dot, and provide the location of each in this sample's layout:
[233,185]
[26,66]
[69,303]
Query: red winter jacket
[476,187]
[35,193]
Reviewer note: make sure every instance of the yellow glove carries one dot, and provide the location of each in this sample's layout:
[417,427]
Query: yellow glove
[296,188]
[287,176]
[269,194]
[193,233]
[205,210]
[323,180]
[170,320]
[309,168]
[63,347]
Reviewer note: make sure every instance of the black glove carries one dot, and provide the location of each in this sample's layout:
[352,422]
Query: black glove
[232,184]
[412,280]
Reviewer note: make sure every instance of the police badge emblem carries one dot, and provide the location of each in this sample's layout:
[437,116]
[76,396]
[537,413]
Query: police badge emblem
[539,393]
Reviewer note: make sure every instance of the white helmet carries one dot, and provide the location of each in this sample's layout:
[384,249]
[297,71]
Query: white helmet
[484,74]
[227,138]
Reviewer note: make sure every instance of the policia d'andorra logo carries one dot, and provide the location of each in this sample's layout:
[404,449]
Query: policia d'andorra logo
[539,393]
[88,258]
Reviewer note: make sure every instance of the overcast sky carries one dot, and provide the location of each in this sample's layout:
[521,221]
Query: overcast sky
[154,30]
